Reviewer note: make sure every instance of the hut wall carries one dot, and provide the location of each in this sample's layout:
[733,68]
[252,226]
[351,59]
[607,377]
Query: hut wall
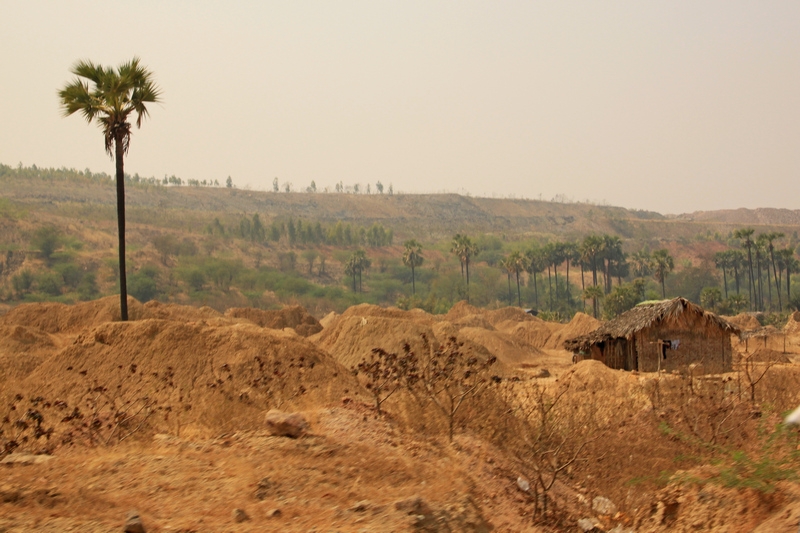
[710,347]
[617,354]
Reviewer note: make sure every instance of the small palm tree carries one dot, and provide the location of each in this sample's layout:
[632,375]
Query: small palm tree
[662,266]
[412,258]
[114,95]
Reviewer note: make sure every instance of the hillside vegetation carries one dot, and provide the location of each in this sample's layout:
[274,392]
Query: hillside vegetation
[207,244]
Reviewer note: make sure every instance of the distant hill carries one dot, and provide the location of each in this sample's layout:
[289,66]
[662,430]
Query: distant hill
[432,216]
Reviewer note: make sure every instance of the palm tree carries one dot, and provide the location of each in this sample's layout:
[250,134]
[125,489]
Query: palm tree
[722,262]
[790,264]
[115,94]
[641,263]
[355,266]
[593,293]
[770,238]
[465,249]
[507,266]
[736,261]
[518,263]
[590,249]
[611,252]
[662,266]
[536,264]
[412,258]
[573,257]
[746,236]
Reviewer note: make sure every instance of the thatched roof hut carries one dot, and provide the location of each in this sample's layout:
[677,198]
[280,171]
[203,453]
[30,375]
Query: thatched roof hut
[662,335]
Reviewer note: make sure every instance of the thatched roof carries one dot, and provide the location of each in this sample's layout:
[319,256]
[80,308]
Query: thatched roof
[649,314]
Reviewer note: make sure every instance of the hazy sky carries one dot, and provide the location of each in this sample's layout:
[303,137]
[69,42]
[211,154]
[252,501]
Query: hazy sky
[671,106]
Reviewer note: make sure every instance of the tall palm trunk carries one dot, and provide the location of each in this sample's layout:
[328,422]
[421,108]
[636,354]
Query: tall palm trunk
[467,265]
[535,291]
[759,287]
[725,281]
[777,282]
[736,277]
[123,279]
[569,297]
[508,273]
[413,284]
[550,287]
[555,270]
[519,294]
[583,287]
[751,287]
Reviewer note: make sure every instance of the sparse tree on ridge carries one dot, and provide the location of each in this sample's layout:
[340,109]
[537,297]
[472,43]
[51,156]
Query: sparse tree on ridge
[115,94]
[412,258]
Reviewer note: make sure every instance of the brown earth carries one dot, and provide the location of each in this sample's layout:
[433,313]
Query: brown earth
[209,379]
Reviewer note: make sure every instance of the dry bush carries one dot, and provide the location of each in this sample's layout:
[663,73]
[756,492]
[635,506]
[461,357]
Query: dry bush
[554,427]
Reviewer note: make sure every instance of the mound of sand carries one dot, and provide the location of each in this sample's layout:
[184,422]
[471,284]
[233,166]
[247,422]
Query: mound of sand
[369,310]
[22,349]
[295,317]
[55,318]
[533,332]
[213,377]
[792,326]
[507,315]
[766,355]
[349,339]
[328,319]
[506,348]
[743,321]
[473,321]
[581,324]
[611,394]
[180,313]
[460,310]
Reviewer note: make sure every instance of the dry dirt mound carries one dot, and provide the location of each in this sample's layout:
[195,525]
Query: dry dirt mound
[792,326]
[328,319]
[473,321]
[766,355]
[612,394]
[22,350]
[581,324]
[369,310]
[180,313]
[213,377]
[58,318]
[507,315]
[534,332]
[295,317]
[743,321]
[460,310]
[508,349]
[349,339]
[703,506]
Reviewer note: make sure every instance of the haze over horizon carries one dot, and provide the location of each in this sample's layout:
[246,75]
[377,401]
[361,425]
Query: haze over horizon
[667,106]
